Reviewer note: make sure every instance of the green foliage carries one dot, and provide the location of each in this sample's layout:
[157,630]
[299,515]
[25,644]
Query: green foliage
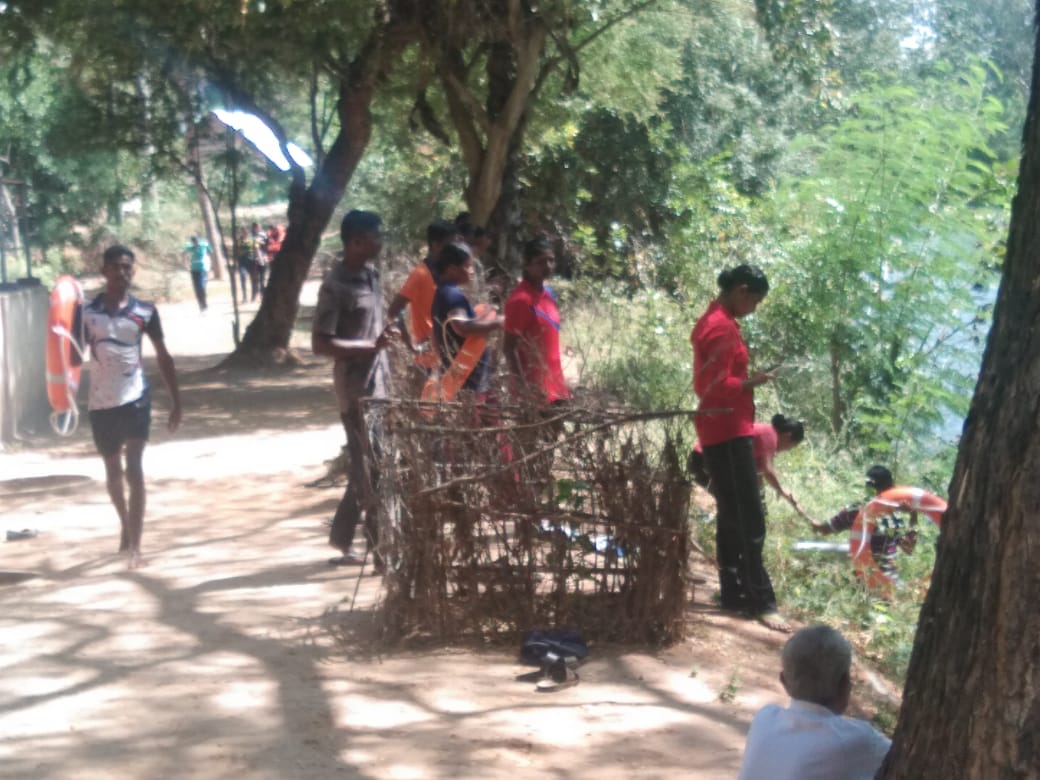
[624,175]
[644,360]
[1001,32]
[822,587]
[729,694]
[62,145]
[890,237]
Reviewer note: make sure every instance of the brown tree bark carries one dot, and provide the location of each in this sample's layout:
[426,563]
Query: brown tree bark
[971,707]
[206,210]
[266,340]
[487,132]
[515,37]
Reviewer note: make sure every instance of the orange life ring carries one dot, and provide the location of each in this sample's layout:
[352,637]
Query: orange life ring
[911,499]
[446,386]
[62,376]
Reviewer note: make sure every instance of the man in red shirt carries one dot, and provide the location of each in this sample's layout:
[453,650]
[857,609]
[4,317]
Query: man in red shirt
[532,348]
[532,330]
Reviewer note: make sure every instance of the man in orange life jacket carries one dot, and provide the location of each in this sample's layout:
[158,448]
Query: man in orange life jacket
[889,535]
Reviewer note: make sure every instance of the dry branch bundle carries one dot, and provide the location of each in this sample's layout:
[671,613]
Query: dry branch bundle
[496,520]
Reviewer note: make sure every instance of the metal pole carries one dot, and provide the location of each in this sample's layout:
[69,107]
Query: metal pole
[236,249]
[25,246]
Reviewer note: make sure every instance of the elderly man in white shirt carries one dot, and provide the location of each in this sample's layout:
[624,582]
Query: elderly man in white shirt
[812,738]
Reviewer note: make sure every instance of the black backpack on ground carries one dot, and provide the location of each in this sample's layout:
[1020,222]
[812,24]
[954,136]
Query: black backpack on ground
[553,652]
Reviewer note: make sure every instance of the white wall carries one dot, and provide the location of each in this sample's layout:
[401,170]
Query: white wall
[23,337]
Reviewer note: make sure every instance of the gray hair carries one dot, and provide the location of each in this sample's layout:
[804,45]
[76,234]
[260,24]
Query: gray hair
[815,660]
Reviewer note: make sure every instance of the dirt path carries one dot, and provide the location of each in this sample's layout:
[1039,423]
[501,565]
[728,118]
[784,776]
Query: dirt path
[236,654]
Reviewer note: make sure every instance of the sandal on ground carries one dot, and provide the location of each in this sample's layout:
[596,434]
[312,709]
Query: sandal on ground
[557,682]
[774,621]
[25,533]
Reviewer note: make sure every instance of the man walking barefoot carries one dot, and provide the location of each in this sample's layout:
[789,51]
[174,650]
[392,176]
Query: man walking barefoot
[113,325]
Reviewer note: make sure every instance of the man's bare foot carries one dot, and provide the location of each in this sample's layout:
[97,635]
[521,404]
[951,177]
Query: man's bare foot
[774,621]
[135,561]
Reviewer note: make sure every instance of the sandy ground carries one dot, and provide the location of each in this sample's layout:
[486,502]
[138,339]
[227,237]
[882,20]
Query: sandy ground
[239,653]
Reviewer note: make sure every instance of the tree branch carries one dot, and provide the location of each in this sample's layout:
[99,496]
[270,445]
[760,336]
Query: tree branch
[467,114]
[316,131]
[570,53]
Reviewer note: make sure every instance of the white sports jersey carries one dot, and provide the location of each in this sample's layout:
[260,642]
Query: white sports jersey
[116,374]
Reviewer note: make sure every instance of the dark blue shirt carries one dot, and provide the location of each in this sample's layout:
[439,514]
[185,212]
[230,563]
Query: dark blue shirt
[448,298]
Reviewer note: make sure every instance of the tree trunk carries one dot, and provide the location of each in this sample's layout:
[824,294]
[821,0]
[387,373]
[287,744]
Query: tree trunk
[12,221]
[266,340]
[971,707]
[505,223]
[149,191]
[209,220]
[489,134]
[209,215]
[837,407]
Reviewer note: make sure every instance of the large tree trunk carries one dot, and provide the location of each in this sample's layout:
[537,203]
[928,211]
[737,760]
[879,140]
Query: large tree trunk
[971,708]
[506,220]
[267,338]
[489,134]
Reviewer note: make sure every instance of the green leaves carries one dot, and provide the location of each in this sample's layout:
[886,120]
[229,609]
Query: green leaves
[892,227]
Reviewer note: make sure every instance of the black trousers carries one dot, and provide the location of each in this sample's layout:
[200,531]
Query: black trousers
[359,501]
[740,526]
[198,283]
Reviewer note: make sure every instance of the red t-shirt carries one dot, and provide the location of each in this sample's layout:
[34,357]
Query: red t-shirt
[720,361]
[532,316]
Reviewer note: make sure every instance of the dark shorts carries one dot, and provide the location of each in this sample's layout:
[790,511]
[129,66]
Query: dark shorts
[112,428]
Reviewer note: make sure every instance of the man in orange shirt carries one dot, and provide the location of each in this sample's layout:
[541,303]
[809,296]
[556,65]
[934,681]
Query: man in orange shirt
[418,291]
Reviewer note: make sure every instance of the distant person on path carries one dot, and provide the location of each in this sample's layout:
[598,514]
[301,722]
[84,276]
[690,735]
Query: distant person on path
[767,439]
[198,254]
[245,264]
[113,325]
[348,327]
[810,739]
[417,293]
[258,245]
[273,245]
[721,381]
[890,534]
